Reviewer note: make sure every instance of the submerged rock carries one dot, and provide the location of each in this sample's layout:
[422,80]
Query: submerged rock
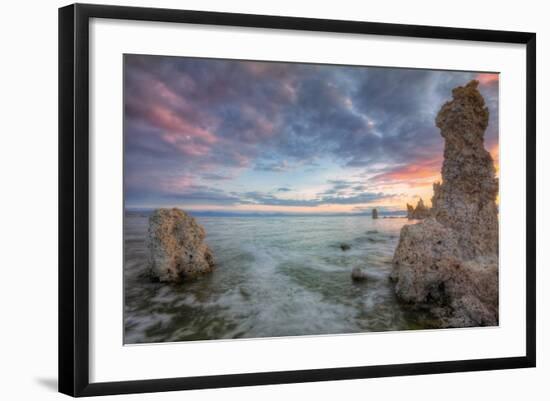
[448,263]
[357,274]
[419,212]
[345,247]
[374,213]
[177,250]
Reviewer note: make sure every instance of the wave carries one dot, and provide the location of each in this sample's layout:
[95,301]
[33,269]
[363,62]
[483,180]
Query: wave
[274,277]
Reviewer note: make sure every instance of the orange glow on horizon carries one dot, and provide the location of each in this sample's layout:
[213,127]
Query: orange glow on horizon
[413,172]
[495,154]
[331,208]
[487,79]
[405,184]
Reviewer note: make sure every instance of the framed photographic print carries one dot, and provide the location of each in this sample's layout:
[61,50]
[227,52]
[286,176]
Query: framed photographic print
[249,199]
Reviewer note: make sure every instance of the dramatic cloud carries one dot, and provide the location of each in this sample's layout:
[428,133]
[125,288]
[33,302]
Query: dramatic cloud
[223,132]
[271,200]
[214,196]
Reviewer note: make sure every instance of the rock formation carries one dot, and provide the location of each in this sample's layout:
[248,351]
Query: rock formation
[177,251]
[374,213]
[419,212]
[465,200]
[357,274]
[345,247]
[410,211]
[448,263]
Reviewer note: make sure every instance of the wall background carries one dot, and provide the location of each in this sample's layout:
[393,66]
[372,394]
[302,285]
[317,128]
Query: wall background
[28,201]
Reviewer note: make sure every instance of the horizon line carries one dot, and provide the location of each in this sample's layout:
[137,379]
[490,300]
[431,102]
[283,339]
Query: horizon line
[393,213]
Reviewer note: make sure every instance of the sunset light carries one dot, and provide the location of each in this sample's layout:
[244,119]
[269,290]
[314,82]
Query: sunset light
[229,136]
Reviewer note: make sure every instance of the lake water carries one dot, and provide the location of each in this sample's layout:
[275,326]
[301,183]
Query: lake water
[275,276]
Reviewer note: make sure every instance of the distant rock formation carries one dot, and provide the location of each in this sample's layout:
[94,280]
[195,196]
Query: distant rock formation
[177,251]
[374,213]
[419,212]
[448,263]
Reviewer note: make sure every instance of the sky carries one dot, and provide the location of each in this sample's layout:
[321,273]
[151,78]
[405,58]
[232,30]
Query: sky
[263,137]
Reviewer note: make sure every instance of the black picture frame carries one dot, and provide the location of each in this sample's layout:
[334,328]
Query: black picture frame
[74,202]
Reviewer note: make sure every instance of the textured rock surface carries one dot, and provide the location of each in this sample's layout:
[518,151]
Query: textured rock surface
[410,211]
[419,212]
[177,250]
[448,263]
[465,200]
[374,213]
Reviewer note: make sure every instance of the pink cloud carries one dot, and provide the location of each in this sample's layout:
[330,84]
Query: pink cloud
[419,171]
[176,183]
[170,121]
[188,138]
[487,79]
[263,127]
[186,145]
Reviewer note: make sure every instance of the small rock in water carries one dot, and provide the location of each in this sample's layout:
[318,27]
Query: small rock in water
[177,250]
[245,293]
[374,213]
[357,274]
[345,247]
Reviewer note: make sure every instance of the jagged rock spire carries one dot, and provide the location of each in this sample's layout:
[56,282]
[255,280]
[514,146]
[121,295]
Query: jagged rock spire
[448,263]
[465,199]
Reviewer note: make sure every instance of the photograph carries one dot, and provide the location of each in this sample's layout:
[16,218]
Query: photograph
[268,199]
[271,201]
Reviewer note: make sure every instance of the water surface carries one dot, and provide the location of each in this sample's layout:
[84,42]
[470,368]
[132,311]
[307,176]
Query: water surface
[275,276]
